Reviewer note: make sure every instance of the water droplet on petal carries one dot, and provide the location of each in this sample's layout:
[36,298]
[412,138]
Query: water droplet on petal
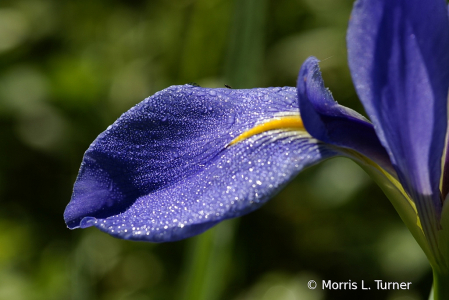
[231,119]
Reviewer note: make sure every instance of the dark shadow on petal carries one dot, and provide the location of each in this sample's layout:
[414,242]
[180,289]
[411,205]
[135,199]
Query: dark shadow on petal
[102,189]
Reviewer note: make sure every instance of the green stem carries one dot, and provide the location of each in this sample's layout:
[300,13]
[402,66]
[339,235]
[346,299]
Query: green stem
[440,286]
[210,252]
[246,45]
[209,256]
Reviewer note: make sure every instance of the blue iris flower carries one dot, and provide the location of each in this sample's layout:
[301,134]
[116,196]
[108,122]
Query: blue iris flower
[188,157]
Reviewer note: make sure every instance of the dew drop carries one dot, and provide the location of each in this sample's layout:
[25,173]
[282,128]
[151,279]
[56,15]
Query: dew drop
[110,186]
[231,119]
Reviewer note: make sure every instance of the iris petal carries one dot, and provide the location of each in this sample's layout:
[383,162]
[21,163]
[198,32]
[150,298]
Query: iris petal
[329,122]
[400,66]
[165,170]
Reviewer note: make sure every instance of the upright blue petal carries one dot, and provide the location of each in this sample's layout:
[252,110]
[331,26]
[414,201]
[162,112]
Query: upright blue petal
[165,170]
[445,180]
[329,122]
[399,59]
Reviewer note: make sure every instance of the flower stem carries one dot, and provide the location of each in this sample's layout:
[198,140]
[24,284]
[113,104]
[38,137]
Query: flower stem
[440,286]
[208,260]
[210,252]
[246,45]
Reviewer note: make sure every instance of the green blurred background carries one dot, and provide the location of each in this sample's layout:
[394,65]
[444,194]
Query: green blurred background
[68,69]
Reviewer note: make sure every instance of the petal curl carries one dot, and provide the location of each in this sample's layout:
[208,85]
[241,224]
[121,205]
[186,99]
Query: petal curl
[329,122]
[165,171]
[399,60]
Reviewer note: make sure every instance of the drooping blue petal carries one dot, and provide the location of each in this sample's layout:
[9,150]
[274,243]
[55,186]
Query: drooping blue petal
[165,170]
[399,60]
[329,122]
